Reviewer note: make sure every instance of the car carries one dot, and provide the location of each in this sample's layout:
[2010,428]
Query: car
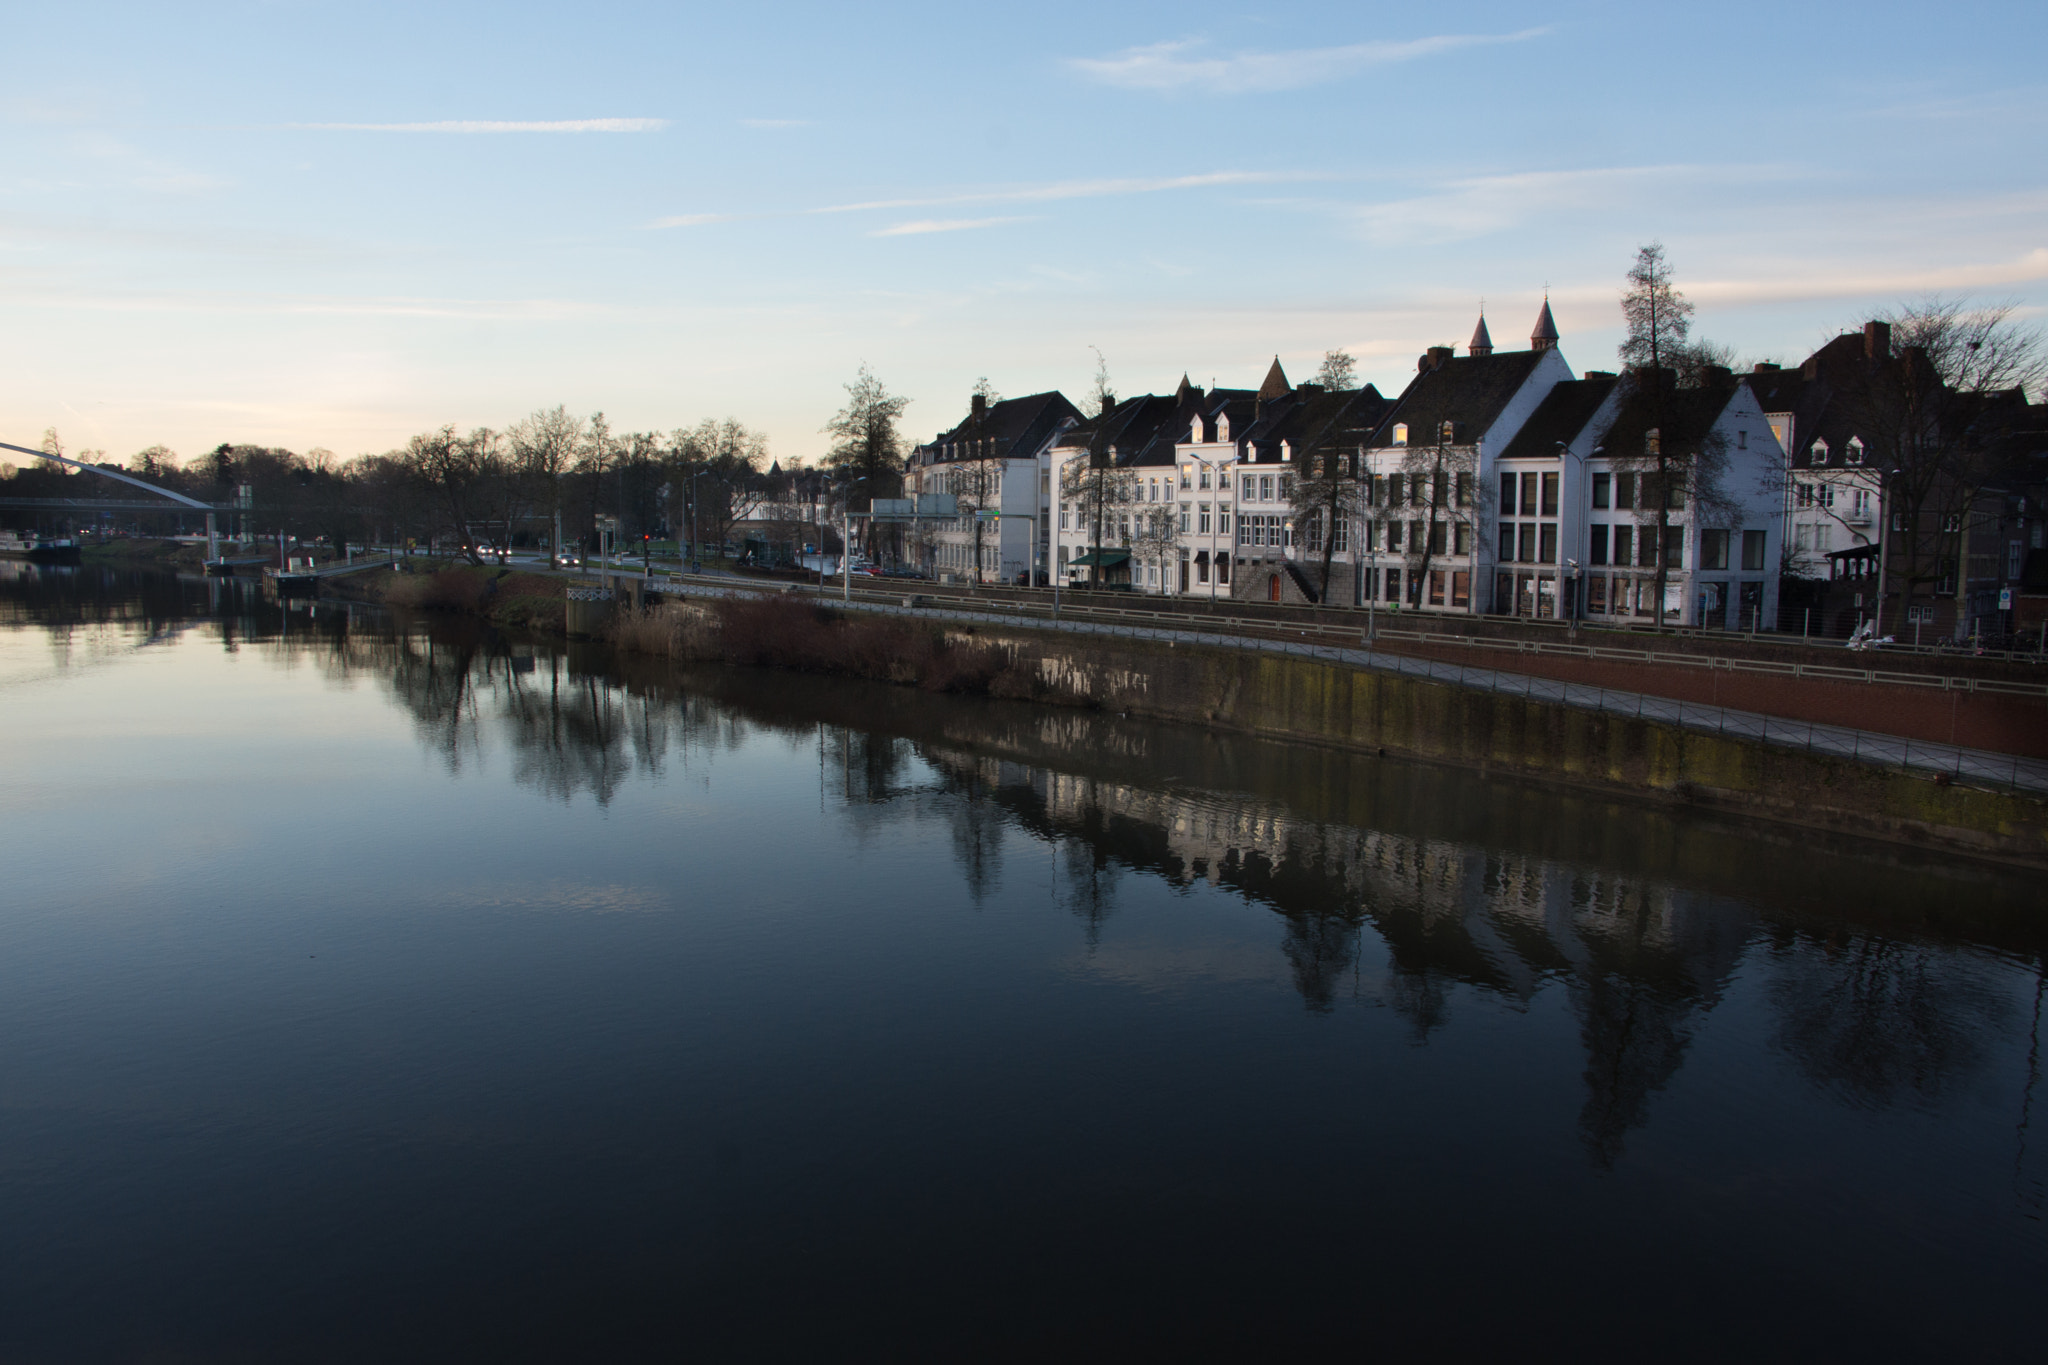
[568,561]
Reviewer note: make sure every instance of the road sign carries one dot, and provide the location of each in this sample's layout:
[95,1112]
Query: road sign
[2005,599]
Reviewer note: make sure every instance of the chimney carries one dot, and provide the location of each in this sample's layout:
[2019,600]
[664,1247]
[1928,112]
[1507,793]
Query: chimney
[1877,341]
[1108,402]
[979,409]
[1718,376]
[1433,359]
[1764,367]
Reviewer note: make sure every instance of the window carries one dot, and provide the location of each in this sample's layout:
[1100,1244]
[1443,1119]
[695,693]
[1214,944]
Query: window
[1507,542]
[1343,545]
[1713,549]
[1183,520]
[1674,547]
[1461,588]
[1065,513]
[1820,451]
[1806,495]
[1742,439]
[1202,479]
[1549,551]
[1602,490]
[1393,498]
[1152,490]
[1393,535]
[1223,522]
[1507,494]
[1853,454]
[1825,493]
[1952,523]
[1400,433]
[1436,587]
[1393,585]
[1223,477]
[1265,487]
[1596,552]
[1625,490]
[1550,495]
[1898,521]
[1184,474]
[1286,487]
[1202,519]
[1436,538]
[1624,544]
[1463,541]
[1752,551]
[1525,547]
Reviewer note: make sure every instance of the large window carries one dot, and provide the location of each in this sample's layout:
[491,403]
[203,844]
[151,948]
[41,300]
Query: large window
[1713,549]
[1549,495]
[1602,491]
[1752,551]
[1596,551]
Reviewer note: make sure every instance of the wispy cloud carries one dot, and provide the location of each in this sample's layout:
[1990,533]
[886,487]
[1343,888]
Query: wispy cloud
[924,225]
[1076,189]
[1476,205]
[1820,281]
[692,220]
[775,123]
[1180,65]
[573,125]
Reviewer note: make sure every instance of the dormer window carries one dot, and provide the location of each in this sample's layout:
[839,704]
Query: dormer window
[1195,433]
[1400,433]
[1222,427]
[1450,433]
[1820,452]
[1286,452]
[1853,454]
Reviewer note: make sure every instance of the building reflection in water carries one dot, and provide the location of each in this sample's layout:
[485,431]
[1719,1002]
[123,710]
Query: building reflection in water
[1462,886]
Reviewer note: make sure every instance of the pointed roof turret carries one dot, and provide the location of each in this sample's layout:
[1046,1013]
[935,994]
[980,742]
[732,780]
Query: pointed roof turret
[1185,387]
[1482,340]
[1545,335]
[1276,385]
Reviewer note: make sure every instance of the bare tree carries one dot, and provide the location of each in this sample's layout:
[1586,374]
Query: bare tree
[1339,372]
[1094,485]
[544,448]
[1442,477]
[1935,411]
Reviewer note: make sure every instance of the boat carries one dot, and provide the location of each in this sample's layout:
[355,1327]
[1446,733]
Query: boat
[50,550]
[295,575]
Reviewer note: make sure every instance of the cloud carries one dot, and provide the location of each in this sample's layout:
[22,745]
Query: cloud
[1173,66]
[1477,205]
[1821,282]
[692,220]
[574,125]
[924,225]
[1075,189]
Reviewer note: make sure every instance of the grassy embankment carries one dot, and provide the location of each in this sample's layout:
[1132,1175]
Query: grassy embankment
[778,632]
[504,597]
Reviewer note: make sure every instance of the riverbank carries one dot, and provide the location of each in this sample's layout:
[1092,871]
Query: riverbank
[1366,712]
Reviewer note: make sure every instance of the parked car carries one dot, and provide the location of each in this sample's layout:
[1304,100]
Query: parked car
[567,560]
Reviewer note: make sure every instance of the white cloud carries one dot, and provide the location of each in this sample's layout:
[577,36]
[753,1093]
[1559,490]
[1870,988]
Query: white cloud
[1076,189]
[1821,282]
[924,225]
[1477,205]
[574,125]
[1174,66]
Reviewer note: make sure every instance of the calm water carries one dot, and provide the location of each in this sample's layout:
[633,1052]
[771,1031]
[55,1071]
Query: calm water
[387,990]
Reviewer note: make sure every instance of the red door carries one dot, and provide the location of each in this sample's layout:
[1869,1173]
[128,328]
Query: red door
[1272,587]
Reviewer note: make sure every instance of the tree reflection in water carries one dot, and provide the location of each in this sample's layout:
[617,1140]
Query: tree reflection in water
[1474,889]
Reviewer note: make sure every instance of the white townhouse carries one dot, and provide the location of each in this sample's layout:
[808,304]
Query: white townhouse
[998,460]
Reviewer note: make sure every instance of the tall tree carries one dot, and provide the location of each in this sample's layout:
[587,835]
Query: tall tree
[1670,472]
[544,448]
[865,442]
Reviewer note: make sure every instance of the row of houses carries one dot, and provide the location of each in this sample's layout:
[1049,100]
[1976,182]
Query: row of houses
[1496,482]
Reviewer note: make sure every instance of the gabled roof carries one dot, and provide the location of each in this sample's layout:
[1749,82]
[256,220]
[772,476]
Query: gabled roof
[1686,415]
[1141,430]
[1314,418]
[1560,417]
[1017,426]
[1468,390]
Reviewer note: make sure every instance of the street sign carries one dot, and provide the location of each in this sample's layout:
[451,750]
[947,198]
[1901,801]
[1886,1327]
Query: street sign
[2005,599]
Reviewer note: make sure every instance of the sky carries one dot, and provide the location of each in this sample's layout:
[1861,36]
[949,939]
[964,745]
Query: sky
[309,224]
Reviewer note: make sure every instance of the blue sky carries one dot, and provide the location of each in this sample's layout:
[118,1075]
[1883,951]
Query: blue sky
[326,224]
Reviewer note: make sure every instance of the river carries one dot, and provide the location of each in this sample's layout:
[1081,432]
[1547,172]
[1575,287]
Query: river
[385,988]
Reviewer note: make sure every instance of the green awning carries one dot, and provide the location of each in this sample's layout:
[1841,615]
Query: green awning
[1108,558]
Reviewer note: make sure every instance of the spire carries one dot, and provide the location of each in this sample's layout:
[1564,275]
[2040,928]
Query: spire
[1482,341]
[1276,384]
[1545,335]
[1185,387]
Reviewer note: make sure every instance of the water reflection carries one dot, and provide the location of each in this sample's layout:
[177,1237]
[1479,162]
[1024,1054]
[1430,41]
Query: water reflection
[1889,981]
